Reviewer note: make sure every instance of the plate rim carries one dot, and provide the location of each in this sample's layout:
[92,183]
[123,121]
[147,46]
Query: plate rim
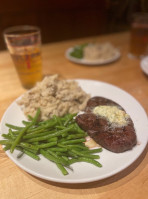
[73,181]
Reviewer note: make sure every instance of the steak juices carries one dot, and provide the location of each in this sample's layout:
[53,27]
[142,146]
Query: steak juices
[107,123]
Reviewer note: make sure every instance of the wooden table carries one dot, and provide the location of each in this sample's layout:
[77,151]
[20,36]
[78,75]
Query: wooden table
[125,73]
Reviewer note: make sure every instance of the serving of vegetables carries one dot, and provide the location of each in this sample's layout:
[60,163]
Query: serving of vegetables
[78,51]
[58,139]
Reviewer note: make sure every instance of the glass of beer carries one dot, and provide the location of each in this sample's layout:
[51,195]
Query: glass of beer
[139,35]
[24,45]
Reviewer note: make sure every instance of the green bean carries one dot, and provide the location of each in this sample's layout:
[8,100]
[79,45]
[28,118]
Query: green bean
[32,135]
[61,140]
[35,143]
[58,149]
[72,146]
[11,134]
[65,134]
[69,118]
[78,129]
[30,117]
[24,145]
[75,136]
[93,151]
[62,169]
[54,139]
[60,127]
[84,159]
[65,157]
[57,119]
[46,122]
[23,131]
[19,148]
[14,127]
[35,130]
[25,122]
[78,153]
[46,145]
[32,155]
[49,125]
[50,157]
[6,142]
[58,133]
[28,152]
[61,154]
[31,150]
[6,136]
[15,133]
[63,161]
[76,141]
[29,146]
[71,154]
[78,147]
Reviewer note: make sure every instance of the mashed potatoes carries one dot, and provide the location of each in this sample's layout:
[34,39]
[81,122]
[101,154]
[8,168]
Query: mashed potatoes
[101,52]
[54,97]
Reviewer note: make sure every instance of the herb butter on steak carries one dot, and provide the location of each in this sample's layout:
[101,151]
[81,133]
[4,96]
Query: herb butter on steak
[107,123]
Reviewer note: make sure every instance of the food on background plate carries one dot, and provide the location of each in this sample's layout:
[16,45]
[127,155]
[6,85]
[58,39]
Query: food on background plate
[78,51]
[54,96]
[102,51]
[108,124]
[94,51]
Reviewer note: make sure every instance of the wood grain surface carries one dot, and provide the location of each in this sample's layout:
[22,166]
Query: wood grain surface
[131,183]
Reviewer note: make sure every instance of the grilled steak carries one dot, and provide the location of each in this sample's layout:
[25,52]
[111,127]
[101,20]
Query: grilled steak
[116,138]
[97,101]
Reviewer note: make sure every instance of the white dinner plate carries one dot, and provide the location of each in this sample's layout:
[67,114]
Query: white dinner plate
[91,62]
[85,172]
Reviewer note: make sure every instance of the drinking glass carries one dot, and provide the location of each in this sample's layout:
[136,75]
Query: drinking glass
[24,45]
[139,35]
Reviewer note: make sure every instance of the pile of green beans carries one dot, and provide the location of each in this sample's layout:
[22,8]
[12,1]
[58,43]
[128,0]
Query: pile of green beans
[58,139]
[78,51]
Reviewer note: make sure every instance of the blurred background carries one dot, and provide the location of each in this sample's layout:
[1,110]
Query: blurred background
[64,20]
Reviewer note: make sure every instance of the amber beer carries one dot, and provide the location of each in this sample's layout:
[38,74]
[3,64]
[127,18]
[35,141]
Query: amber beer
[139,35]
[23,43]
[139,40]
[28,66]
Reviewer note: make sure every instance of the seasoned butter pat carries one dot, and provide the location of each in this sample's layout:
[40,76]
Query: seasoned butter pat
[91,143]
[112,113]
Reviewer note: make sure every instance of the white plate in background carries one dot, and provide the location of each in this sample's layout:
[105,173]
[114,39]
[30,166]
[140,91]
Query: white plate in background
[91,62]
